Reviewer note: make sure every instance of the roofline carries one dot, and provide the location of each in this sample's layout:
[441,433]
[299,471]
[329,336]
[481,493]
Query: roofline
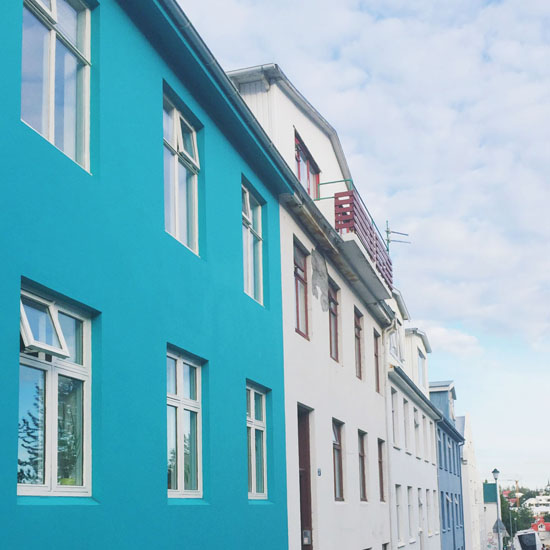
[399,374]
[188,31]
[273,73]
[401,304]
[451,428]
[423,336]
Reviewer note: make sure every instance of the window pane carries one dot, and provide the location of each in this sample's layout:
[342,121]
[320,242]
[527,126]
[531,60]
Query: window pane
[186,205]
[189,381]
[188,142]
[169,199]
[190,471]
[301,310]
[69,431]
[246,260]
[168,123]
[258,406]
[249,441]
[248,413]
[66,97]
[67,20]
[34,77]
[40,322]
[256,215]
[31,448]
[259,449]
[245,203]
[171,423]
[171,386]
[257,249]
[337,477]
[72,331]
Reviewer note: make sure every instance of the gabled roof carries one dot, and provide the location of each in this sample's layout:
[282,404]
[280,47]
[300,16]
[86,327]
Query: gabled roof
[272,73]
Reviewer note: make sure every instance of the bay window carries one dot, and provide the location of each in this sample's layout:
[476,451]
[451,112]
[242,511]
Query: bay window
[54,455]
[181,168]
[55,74]
[183,409]
[256,442]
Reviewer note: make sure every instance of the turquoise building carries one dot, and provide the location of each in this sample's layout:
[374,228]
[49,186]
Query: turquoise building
[449,472]
[139,232]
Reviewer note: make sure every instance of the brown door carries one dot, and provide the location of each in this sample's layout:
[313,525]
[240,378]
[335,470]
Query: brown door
[305,478]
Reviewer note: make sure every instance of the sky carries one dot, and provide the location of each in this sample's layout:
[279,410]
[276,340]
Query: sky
[443,111]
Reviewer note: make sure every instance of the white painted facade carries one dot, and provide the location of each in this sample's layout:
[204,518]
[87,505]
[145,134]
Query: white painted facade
[329,389]
[413,481]
[472,489]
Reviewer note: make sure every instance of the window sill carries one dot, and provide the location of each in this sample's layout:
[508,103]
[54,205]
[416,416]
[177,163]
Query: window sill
[259,502]
[401,544]
[396,447]
[187,501]
[412,541]
[301,334]
[408,452]
[31,500]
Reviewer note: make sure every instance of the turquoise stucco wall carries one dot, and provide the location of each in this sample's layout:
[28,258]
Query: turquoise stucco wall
[99,239]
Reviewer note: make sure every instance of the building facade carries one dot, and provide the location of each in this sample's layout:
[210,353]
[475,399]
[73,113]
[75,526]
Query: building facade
[449,440]
[411,436]
[141,222]
[334,316]
[472,487]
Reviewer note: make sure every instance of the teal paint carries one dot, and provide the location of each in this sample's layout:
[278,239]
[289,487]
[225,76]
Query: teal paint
[98,238]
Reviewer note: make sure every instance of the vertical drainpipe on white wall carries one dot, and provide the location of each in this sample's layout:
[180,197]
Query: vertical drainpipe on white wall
[387,391]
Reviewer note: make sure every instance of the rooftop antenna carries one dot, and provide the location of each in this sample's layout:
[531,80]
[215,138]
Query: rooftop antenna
[389,234]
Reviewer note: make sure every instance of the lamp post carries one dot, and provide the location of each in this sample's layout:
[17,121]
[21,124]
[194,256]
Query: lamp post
[495,473]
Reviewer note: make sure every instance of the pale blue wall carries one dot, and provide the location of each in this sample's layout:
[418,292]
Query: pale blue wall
[99,239]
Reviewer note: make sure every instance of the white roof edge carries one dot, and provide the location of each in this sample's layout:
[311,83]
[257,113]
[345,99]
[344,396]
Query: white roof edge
[273,73]
[401,304]
[423,336]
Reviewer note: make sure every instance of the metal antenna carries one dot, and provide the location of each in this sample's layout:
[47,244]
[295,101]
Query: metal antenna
[389,234]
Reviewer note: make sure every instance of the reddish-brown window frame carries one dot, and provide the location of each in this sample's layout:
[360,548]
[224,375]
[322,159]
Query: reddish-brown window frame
[299,268]
[362,466]
[333,319]
[377,361]
[381,469]
[357,318]
[311,167]
[337,459]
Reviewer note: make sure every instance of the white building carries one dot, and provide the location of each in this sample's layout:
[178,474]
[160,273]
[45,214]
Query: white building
[334,287]
[472,489]
[538,505]
[411,436]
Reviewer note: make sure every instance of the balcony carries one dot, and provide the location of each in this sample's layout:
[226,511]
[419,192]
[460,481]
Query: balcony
[351,216]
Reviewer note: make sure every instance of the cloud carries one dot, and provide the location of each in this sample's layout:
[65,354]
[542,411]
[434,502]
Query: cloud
[450,340]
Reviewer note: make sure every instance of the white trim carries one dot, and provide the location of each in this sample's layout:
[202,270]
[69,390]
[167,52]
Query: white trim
[48,17]
[253,276]
[182,404]
[253,425]
[62,366]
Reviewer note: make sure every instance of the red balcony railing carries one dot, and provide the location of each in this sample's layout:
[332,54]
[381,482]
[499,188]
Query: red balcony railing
[351,215]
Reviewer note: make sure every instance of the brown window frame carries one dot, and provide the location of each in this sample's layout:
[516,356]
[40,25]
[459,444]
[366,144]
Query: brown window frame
[377,361]
[337,460]
[381,470]
[357,322]
[333,318]
[300,279]
[300,150]
[362,466]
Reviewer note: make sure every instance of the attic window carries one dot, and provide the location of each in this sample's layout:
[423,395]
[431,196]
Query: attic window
[307,170]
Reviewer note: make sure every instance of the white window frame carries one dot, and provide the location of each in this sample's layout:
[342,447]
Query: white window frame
[179,153]
[252,204]
[181,404]
[61,366]
[254,424]
[48,17]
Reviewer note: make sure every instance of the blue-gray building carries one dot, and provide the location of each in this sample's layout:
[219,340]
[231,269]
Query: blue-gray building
[449,440]
[142,405]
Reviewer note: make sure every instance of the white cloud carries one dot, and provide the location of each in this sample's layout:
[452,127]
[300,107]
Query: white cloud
[450,340]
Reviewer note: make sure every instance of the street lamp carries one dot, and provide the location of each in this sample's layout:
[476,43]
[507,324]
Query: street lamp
[495,473]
